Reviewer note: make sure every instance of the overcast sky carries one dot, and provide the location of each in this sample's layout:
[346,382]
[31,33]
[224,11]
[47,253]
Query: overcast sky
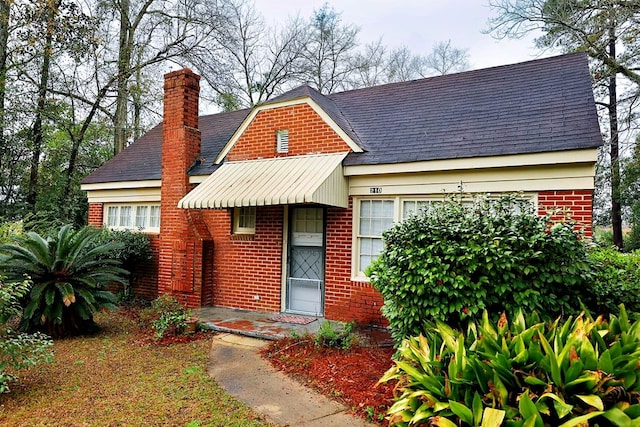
[418,24]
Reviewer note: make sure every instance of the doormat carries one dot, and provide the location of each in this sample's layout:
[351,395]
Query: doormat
[297,320]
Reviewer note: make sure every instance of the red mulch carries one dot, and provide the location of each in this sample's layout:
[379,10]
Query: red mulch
[348,376]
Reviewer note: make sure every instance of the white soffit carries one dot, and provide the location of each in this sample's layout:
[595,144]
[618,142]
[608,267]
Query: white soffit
[279,181]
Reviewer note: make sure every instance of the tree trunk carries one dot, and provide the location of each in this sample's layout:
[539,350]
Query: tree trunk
[124,63]
[616,210]
[37,134]
[5,9]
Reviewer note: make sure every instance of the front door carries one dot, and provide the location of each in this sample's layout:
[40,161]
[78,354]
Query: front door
[305,275]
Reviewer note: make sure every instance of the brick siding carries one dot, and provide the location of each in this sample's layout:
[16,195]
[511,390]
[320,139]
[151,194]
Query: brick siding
[577,205]
[247,266]
[308,134]
[96,211]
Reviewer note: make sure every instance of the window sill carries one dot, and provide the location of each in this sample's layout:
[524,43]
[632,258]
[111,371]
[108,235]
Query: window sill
[242,237]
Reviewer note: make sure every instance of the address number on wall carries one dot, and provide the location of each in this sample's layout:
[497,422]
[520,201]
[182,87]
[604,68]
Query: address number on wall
[375,190]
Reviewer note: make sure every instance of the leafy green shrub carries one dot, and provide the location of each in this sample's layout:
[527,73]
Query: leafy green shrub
[579,372]
[68,279]
[616,280]
[342,336]
[456,260]
[18,350]
[603,236]
[131,249]
[10,231]
[166,316]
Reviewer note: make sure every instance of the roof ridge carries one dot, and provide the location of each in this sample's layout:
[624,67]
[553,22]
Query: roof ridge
[466,72]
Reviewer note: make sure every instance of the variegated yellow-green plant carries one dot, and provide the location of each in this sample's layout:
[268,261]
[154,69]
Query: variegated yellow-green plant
[578,372]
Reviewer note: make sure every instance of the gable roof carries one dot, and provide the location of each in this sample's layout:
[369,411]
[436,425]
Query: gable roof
[531,107]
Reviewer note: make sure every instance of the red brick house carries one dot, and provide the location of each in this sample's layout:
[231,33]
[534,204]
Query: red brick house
[281,207]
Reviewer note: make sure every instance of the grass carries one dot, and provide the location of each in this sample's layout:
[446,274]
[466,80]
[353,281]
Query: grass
[117,378]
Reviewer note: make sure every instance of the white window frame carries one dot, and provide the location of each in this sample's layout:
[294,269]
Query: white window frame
[116,220]
[356,272]
[243,213]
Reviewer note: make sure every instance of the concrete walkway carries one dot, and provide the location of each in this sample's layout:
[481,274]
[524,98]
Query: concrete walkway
[236,365]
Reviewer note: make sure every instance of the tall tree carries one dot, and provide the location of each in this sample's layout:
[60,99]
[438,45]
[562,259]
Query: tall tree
[248,62]
[445,58]
[150,32]
[607,30]
[330,51]
[5,16]
[370,65]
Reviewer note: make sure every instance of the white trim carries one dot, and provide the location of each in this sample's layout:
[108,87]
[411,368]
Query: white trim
[197,179]
[119,185]
[282,141]
[285,259]
[532,159]
[264,107]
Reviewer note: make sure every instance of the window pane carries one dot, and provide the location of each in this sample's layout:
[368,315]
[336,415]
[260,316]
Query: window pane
[112,216]
[370,248]
[376,216]
[141,216]
[125,216]
[154,217]
[365,226]
[247,218]
[417,207]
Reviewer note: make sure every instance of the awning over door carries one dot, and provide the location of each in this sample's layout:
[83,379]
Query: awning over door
[278,181]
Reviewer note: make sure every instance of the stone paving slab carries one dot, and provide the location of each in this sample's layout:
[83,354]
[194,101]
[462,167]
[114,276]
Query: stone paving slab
[236,365]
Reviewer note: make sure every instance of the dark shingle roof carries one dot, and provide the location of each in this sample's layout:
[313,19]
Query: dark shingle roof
[535,106]
[142,160]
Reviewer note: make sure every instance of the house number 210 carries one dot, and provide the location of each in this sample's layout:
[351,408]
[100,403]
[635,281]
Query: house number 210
[375,190]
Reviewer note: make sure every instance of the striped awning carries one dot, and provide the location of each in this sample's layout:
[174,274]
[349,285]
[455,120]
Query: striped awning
[279,181]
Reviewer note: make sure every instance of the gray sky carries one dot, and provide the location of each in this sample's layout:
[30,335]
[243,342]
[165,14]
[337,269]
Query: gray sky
[418,24]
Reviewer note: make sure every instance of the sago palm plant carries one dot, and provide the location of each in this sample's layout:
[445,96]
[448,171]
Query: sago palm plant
[68,274]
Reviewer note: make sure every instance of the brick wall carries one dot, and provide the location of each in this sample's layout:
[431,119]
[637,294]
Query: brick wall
[246,266]
[96,211]
[145,275]
[345,299]
[575,204]
[308,133]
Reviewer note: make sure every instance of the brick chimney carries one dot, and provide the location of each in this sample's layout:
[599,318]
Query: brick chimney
[181,250]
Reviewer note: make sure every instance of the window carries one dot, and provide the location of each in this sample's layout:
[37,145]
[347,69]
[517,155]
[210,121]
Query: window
[244,220]
[133,217]
[282,141]
[374,216]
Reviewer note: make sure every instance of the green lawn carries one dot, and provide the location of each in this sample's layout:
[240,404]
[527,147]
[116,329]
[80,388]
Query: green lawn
[117,378]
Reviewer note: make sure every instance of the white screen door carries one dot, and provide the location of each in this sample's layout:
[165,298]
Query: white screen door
[305,275]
